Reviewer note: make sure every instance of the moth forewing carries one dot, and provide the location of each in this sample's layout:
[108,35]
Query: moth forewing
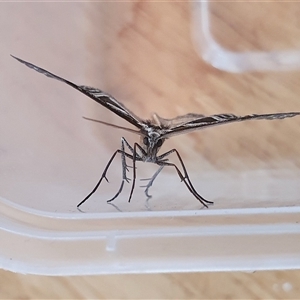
[97,95]
[177,121]
[220,119]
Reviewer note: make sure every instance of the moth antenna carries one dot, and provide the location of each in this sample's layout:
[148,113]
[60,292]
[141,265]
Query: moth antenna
[115,126]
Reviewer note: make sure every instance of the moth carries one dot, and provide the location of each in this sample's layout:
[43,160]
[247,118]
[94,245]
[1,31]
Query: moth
[153,133]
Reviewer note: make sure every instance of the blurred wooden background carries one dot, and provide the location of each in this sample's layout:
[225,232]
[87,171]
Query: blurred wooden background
[142,52]
[231,285]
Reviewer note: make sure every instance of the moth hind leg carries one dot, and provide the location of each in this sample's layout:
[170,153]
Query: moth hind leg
[184,177]
[123,153]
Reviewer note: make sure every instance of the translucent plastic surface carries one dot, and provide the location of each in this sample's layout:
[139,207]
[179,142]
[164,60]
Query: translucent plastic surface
[262,40]
[51,158]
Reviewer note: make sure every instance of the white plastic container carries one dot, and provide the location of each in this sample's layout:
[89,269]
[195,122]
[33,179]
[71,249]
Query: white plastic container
[262,43]
[50,159]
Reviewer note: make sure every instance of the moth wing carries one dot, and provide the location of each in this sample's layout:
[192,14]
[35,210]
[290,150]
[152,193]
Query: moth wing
[170,123]
[97,95]
[208,121]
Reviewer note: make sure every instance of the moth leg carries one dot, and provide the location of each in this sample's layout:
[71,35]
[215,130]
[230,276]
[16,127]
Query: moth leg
[184,177]
[124,167]
[151,180]
[124,164]
[124,170]
[188,179]
[187,183]
[104,175]
[136,157]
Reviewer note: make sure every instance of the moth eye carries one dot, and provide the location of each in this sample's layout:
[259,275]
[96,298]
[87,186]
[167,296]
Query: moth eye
[159,143]
[146,141]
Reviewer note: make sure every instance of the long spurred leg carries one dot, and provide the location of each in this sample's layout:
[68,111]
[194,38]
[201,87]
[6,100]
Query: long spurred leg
[123,158]
[185,178]
[104,175]
[188,178]
[151,180]
[196,195]
[136,157]
[124,168]
[134,171]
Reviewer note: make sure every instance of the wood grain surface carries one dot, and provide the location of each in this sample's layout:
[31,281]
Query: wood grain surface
[231,285]
[143,53]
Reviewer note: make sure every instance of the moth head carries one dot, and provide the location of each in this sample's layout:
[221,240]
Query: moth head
[151,143]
